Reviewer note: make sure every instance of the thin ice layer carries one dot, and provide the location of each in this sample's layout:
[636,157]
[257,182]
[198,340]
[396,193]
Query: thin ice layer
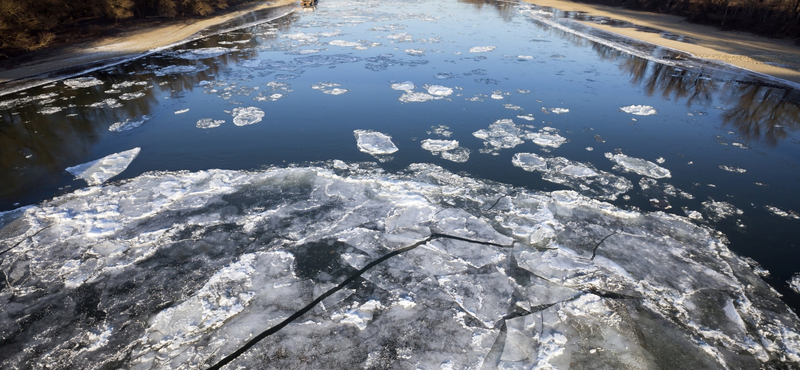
[374,143]
[638,166]
[99,171]
[177,270]
[129,124]
[582,177]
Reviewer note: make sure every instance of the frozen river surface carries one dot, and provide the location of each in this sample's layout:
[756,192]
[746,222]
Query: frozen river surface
[410,185]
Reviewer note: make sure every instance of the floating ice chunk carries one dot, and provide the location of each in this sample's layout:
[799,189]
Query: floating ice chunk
[129,124]
[638,166]
[358,315]
[126,84]
[794,283]
[513,107]
[481,49]
[443,76]
[732,169]
[441,130]
[497,96]
[719,210]
[525,57]
[50,110]
[559,110]
[203,53]
[437,90]
[374,143]
[448,149]
[131,96]
[547,137]
[639,110]
[181,111]
[502,134]
[177,70]
[79,82]
[527,117]
[400,37]
[416,97]
[415,52]
[403,86]
[247,116]
[329,88]
[99,171]
[344,43]
[694,215]
[582,177]
[209,123]
[779,212]
[439,145]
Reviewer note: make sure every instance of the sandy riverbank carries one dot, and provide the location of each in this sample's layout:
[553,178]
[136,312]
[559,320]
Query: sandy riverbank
[740,49]
[126,44]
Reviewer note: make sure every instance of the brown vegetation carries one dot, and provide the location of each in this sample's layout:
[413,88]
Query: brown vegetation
[772,18]
[32,24]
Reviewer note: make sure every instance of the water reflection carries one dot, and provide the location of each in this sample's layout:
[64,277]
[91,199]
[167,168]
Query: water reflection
[35,147]
[505,9]
[756,110]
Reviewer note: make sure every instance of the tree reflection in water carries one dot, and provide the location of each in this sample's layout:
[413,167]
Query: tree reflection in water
[35,148]
[758,111]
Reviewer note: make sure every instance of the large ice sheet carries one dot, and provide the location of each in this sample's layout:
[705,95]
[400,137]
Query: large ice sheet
[176,270]
[99,171]
[374,143]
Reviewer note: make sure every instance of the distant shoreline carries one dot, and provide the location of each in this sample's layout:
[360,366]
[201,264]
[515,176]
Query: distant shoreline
[739,49]
[124,46]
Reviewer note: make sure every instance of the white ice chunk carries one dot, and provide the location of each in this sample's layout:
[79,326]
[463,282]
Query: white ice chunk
[181,111]
[639,110]
[437,90]
[439,145]
[374,143]
[481,49]
[79,82]
[403,86]
[794,283]
[415,52]
[203,53]
[416,97]
[638,166]
[719,210]
[502,134]
[732,169]
[209,123]
[344,43]
[247,116]
[559,110]
[781,213]
[547,137]
[99,171]
[129,124]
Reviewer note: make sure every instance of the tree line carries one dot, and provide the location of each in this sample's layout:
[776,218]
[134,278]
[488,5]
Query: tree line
[32,24]
[772,18]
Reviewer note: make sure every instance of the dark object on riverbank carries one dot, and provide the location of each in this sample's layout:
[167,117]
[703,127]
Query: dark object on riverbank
[771,18]
[27,25]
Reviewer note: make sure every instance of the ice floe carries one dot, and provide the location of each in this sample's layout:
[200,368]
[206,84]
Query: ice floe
[329,88]
[547,137]
[639,110]
[638,166]
[448,149]
[202,53]
[99,171]
[181,111]
[129,124]
[80,82]
[403,86]
[374,143]
[502,134]
[437,90]
[781,213]
[205,123]
[732,169]
[440,130]
[482,49]
[416,97]
[582,177]
[344,43]
[187,267]
[794,283]
[718,210]
[243,116]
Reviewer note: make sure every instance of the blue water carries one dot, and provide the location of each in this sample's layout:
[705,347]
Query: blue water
[707,117]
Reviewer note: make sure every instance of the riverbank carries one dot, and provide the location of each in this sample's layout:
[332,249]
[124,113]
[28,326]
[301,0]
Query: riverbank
[773,57]
[124,45]
[777,58]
